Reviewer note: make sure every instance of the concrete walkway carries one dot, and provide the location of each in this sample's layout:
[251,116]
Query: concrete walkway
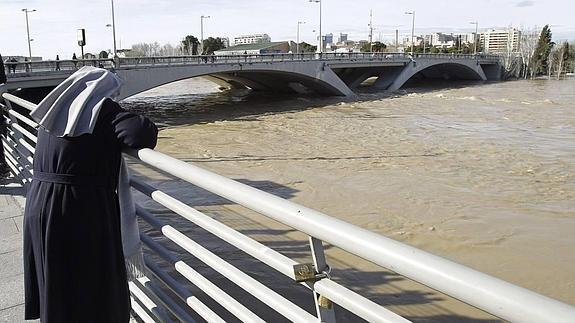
[11,268]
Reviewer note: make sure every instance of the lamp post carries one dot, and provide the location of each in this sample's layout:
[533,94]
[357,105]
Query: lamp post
[412,27]
[202,33]
[297,41]
[26,11]
[320,47]
[113,28]
[475,39]
[370,31]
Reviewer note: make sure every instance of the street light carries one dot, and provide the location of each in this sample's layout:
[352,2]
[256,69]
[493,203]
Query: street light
[412,27]
[320,47]
[297,42]
[202,33]
[26,11]
[475,39]
[113,28]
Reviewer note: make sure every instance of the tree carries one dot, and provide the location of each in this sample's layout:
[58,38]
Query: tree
[211,45]
[376,47]
[307,48]
[542,51]
[561,57]
[190,45]
[529,40]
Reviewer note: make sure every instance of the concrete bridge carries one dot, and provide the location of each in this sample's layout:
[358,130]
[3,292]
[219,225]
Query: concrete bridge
[327,73]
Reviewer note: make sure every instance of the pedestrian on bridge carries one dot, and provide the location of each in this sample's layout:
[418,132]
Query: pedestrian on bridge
[13,64]
[81,238]
[57,62]
[75,60]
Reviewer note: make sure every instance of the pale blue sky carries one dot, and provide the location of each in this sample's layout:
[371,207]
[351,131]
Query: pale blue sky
[53,26]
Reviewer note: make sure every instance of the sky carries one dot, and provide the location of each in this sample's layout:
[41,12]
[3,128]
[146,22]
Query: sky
[54,24]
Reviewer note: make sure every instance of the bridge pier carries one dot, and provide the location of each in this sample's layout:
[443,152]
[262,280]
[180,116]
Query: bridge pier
[386,78]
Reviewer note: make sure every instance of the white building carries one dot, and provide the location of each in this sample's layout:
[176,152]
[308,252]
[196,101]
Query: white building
[226,41]
[252,39]
[501,41]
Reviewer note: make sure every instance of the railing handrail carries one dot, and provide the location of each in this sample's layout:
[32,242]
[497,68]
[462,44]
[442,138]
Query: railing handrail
[488,293]
[495,296]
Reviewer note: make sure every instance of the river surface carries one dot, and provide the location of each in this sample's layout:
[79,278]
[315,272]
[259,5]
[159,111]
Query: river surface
[480,174]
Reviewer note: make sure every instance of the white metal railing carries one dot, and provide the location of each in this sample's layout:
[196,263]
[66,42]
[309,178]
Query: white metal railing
[150,301]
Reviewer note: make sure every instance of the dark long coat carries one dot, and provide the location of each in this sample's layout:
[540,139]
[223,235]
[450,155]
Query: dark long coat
[73,261]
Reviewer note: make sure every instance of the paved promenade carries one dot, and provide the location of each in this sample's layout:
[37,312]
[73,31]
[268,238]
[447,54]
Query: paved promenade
[11,269]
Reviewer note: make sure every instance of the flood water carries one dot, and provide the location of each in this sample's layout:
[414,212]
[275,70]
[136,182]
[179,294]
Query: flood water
[480,174]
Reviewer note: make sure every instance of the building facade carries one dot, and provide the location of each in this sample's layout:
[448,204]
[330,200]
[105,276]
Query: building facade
[501,41]
[252,39]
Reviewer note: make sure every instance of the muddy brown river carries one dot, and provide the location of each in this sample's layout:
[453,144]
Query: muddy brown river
[480,174]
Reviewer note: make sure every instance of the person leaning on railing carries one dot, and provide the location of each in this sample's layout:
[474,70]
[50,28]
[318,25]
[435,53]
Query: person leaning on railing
[81,239]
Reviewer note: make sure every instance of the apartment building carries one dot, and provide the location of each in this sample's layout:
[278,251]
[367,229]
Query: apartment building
[501,41]
[252,39]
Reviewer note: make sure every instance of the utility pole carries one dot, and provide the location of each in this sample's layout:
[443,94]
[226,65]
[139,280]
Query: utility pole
[26,11]
[412,28]
[370,31]
[396,40]
[114,29]
[202,33]
[476,38]
[297,43]
[320,47]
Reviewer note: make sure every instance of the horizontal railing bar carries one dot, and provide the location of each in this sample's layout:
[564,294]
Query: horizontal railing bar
[250,285]
[23,119]
[145,300]
[161,299]
[21,102]
[19,165]
[228,302]
[259,251]
[14,149]
[193,302]
[488,293]
[252,247]
[15,171]
[169,303]
[142,314]
[25,132]
[26,145]
[357,304]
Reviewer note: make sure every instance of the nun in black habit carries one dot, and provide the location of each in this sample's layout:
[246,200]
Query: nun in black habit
[80,229]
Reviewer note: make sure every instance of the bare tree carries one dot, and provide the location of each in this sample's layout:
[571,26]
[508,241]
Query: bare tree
[561,56]
[529,38]
[551,61]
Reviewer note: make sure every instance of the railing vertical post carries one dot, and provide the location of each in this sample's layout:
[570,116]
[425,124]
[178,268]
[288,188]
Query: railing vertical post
[323,306]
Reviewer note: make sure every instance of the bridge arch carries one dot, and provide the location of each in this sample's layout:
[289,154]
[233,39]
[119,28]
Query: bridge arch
[432,69]
[302,77]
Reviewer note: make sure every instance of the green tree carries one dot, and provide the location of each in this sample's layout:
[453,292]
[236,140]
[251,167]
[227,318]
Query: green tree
[379,46]
[542,51]
[307,48]
[376,47]
[190,45]
[211,45]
